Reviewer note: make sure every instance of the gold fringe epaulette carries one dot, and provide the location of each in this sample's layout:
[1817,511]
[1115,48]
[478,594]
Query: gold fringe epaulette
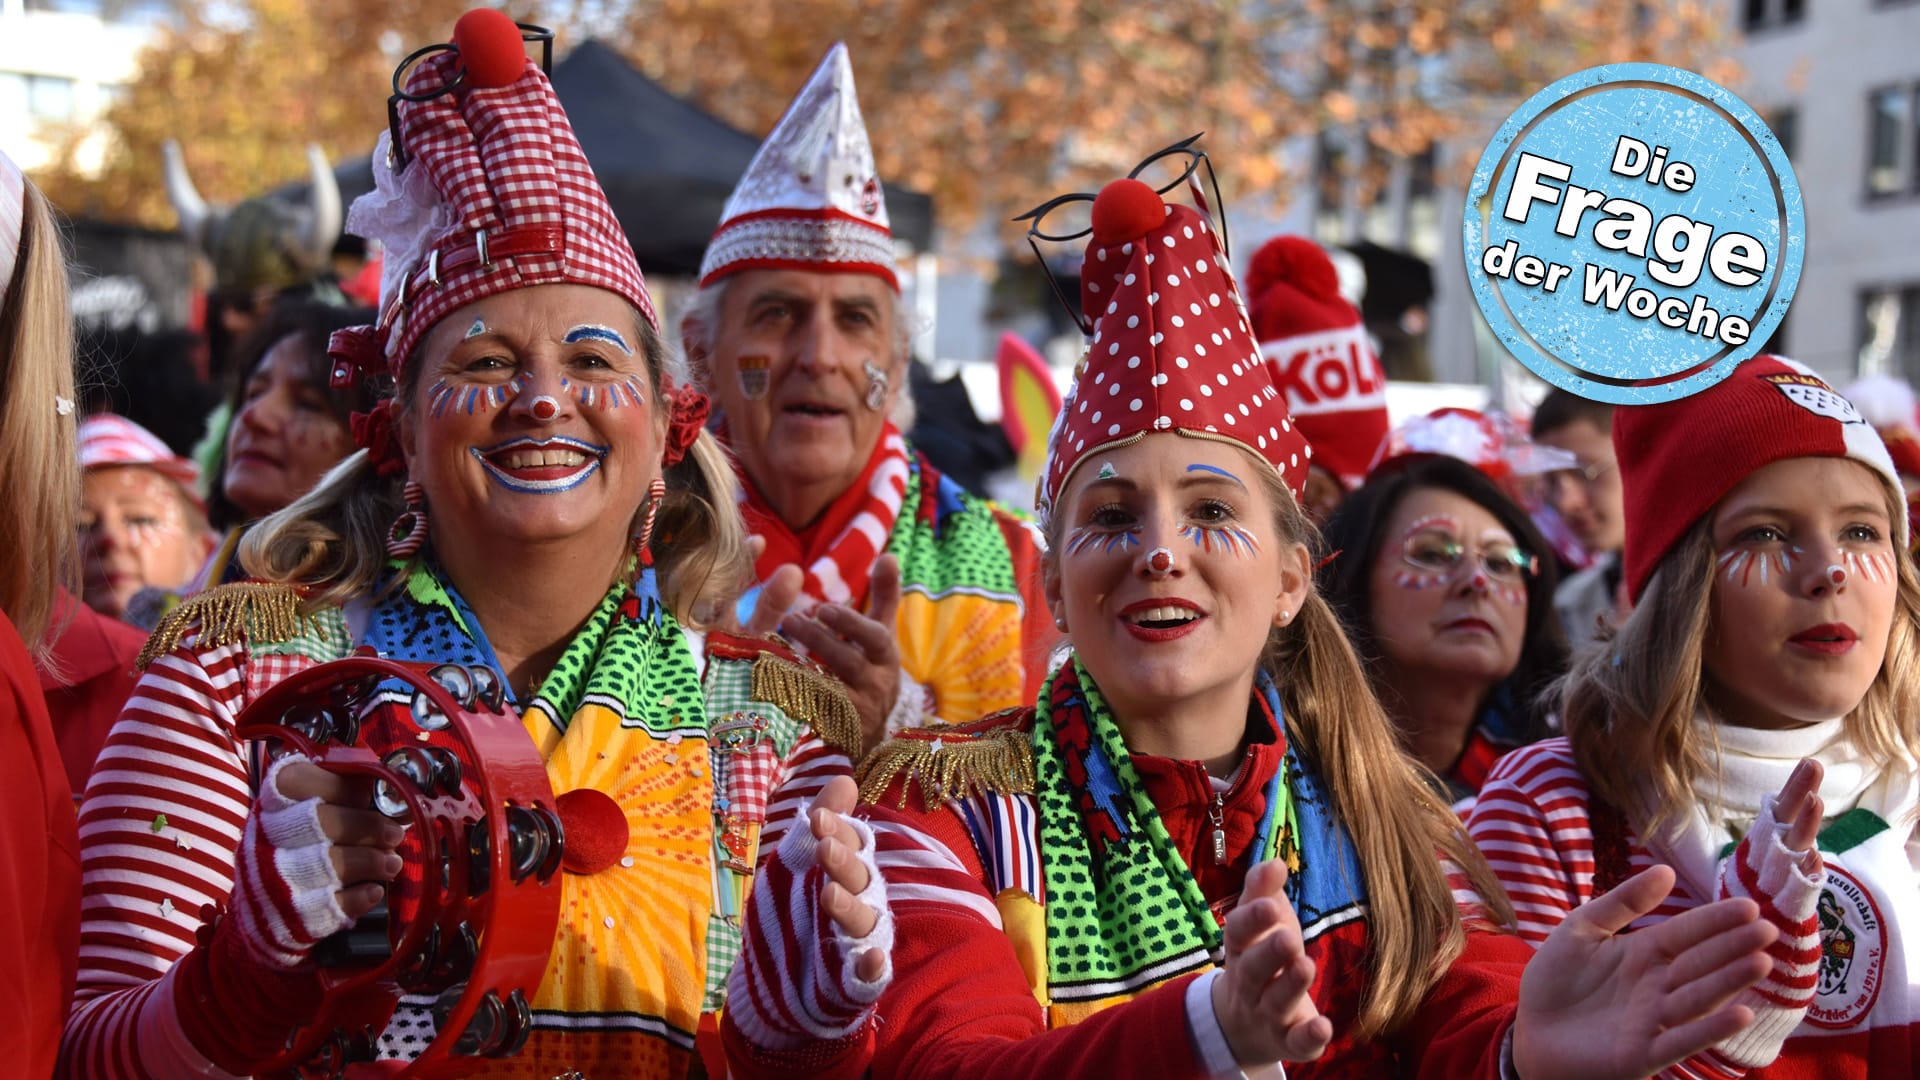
[949,764]
[812,696]
[269,611]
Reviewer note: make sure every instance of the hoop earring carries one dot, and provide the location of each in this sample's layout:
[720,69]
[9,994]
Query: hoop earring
[643,543]
[409,531]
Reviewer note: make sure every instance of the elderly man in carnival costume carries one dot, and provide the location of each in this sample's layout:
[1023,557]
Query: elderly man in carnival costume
[502,539]
[799,335]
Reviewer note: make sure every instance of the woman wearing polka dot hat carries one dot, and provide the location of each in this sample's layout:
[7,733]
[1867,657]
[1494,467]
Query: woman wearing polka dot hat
[1199,853]
[535,501]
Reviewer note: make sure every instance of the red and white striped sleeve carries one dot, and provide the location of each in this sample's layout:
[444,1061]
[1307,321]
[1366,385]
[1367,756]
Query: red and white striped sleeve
[161,822]
[1531,824]
[795,985]
[1786,884]
[160,829]
[807,768]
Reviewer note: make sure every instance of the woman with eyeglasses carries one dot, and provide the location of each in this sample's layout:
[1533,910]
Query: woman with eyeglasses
[1441,581]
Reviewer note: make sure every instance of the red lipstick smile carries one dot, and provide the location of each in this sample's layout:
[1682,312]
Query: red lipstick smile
[1161,618]
[1829,639]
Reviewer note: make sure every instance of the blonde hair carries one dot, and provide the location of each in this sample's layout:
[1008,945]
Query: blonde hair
[36,438]
[1400,827]
[333,539]
[1629,704]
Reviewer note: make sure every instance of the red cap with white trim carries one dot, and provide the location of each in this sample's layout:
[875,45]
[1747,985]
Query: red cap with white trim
[1321,359]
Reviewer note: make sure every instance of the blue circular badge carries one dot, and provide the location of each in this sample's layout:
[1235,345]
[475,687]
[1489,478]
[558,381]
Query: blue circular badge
[1633,232]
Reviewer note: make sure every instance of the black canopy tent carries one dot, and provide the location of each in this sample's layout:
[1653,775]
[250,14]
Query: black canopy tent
[667,166]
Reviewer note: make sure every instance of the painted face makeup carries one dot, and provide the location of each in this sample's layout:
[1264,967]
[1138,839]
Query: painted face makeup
[479,327]
[754,377]
[1089,537]
[1746,567]
[540,466]
[1106,471]
[1435,557]
[1217,471]
[614,395]
[444,397]
[1874,566]
[876,385]
[596,332]
[1231,539]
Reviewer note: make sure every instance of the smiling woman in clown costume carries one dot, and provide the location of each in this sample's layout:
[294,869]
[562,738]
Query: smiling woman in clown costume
[510,510]
[1198,853]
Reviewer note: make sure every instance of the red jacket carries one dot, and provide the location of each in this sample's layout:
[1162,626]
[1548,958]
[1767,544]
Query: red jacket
[39,872]
[90,680]
[959,1003]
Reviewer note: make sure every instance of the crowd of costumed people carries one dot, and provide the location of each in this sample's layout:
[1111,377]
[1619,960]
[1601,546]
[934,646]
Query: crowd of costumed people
[511,678]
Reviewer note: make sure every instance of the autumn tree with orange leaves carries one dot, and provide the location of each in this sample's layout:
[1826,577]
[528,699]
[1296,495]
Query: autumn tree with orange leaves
[988,106]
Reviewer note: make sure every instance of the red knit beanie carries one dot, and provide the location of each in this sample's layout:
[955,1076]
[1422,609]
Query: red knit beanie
[1678,459]
[1317,349]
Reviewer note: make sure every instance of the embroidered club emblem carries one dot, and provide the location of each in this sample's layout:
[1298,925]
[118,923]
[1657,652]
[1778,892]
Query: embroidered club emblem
[1816,397]
[1853,952]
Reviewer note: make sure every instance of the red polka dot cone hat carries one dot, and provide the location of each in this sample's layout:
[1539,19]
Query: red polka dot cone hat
[480,188]
[1170,348]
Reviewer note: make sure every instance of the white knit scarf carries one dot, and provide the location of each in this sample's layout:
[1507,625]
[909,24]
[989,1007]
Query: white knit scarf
[1752,766]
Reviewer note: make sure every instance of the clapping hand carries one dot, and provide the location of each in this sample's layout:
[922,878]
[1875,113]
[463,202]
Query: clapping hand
[1597,1004]
[1261,999]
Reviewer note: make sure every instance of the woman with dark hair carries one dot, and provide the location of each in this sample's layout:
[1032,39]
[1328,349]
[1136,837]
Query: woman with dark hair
[1446,590]
[289,427]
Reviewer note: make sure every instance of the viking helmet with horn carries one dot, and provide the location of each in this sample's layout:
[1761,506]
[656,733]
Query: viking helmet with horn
[266,241]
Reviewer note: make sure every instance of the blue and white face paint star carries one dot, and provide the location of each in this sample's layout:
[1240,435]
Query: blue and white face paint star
[546,466]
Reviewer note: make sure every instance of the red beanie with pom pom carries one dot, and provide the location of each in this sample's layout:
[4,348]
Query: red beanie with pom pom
[1317,349]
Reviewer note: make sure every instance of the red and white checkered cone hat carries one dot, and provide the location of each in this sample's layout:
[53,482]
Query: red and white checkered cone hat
[490,192]
[1171,348]
[811,198]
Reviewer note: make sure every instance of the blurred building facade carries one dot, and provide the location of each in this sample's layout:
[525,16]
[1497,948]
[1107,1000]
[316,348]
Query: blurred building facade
[61,63]
[1839,82]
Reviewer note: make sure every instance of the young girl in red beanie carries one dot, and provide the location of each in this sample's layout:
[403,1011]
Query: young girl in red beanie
[1752,724]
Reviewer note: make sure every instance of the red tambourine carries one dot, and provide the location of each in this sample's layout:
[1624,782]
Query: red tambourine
[471,920]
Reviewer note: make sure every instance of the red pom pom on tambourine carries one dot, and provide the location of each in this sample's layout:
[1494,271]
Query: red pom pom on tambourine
[491,48]
[1126,210]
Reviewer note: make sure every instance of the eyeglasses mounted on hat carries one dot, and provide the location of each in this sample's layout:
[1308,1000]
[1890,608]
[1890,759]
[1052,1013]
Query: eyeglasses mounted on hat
[1064,219]
[396,150]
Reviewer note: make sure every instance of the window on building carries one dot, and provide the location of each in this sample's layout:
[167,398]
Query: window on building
[1771,14]
[1890,141]
[1786,128]
[49,97]
[1890,331]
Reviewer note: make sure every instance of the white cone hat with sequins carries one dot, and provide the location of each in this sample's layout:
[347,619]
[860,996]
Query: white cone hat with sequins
[811,198]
